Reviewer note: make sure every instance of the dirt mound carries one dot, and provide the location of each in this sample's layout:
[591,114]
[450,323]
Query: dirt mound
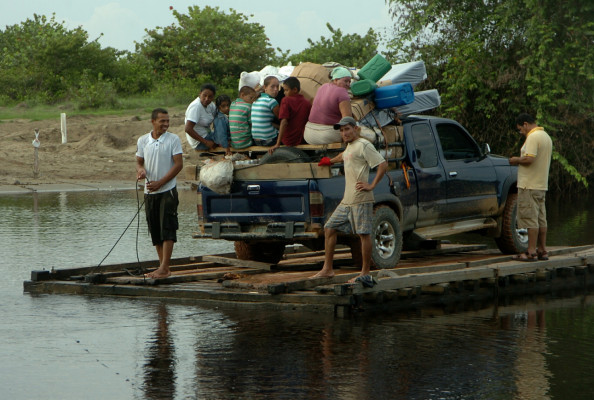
[98,148]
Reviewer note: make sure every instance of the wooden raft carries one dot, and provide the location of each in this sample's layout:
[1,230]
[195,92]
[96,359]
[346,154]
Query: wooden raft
[451,273]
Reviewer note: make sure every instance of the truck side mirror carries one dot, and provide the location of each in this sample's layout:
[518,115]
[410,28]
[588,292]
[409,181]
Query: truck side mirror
[486,149]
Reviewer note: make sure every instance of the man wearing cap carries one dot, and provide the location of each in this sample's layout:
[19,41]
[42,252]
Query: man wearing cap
[331,103]
[355,211]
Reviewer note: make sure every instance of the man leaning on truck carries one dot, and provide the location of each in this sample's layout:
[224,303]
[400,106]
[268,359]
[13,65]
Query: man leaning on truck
[355,211]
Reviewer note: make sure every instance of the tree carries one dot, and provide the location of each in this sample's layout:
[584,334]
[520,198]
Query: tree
[42,60]
[352,50]
[492,59]
[207,44]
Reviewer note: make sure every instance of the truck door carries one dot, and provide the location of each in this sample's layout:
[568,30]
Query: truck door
[431,180]
[471,178]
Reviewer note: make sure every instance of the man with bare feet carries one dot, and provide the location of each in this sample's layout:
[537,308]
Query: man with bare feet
[355,211]
[159,160]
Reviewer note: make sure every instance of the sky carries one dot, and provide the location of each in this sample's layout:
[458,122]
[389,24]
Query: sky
[288,24]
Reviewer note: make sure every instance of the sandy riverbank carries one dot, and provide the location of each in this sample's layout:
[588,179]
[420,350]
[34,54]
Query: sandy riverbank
[98,155]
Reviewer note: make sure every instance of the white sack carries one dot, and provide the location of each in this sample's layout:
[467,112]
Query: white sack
[217,176]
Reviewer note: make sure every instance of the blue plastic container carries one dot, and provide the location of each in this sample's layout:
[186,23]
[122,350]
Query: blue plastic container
[394,95]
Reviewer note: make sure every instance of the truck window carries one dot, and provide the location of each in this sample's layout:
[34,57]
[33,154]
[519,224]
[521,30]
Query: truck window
[456,144]
[425,147]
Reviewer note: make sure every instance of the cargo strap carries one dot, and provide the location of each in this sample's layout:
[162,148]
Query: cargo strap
[405,169]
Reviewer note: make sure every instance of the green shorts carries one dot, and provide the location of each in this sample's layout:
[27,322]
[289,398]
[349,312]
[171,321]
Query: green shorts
[532,212]
[161,215]
[352,219]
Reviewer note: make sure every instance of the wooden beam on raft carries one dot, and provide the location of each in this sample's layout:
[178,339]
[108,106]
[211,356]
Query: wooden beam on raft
[238,263]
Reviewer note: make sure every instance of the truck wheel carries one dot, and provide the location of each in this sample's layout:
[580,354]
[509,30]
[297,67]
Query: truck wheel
[269,252]
[285,155]
[512,240]
[386,238]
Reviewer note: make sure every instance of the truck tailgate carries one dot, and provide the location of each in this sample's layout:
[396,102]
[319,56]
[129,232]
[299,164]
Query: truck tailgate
[259,201]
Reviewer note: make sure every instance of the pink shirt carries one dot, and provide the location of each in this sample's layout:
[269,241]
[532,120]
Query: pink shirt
[324,109]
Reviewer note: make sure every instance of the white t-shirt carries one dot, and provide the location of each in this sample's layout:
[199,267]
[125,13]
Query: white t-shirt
[202,117]
[158,157]
[359,157]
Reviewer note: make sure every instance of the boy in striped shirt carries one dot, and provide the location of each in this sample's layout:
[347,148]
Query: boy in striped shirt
[239,118]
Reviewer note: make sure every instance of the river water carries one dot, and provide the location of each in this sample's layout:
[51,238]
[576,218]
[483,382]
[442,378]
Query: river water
[73,347]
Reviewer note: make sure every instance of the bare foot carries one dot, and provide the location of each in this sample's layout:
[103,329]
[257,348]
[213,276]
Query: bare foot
[158,274]
[324,274]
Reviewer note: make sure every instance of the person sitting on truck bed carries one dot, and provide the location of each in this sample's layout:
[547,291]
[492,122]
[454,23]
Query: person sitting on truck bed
[199,115]
[331,103]
[220,124]
[355,211]
[264,110]
[239,118]
[294,112]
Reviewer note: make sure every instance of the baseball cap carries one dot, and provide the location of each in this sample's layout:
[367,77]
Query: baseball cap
[345,121]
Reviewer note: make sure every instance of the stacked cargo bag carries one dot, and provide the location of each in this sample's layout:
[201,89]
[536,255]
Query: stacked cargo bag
[311,76]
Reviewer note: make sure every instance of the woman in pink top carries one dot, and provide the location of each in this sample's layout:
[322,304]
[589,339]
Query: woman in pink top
[331,103]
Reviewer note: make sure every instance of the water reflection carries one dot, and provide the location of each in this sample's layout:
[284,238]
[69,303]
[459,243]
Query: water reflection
[501,352]
[159,380]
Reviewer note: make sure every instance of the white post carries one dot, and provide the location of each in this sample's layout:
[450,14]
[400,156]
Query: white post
[63,124]
[36,145]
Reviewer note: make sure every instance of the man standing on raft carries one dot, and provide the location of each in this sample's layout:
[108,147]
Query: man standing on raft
[159,160]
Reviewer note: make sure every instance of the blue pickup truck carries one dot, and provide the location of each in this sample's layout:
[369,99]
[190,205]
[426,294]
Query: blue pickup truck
[442,183]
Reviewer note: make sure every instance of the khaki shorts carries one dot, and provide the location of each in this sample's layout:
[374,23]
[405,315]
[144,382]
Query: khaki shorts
[352,219]
[321,134]
[532,212]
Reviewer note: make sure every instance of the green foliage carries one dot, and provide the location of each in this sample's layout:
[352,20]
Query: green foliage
[492,59]
[42,59]
[94,92]
[352,50]
[206,43]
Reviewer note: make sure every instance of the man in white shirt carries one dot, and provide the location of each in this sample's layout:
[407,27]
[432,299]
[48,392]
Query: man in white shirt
[159,160]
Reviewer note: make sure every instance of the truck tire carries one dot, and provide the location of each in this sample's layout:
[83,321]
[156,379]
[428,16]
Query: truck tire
[512,240]
[270,252]
[285,155]
[386,238]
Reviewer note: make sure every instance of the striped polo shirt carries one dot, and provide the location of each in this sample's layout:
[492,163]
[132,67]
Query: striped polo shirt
[262,117]
[239,124]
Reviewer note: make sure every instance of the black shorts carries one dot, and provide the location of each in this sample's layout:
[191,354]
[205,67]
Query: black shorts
[161,215]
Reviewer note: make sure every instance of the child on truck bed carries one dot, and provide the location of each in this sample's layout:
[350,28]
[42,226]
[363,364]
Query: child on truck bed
[221,123]
[239,118]
[294,112]
[264,109]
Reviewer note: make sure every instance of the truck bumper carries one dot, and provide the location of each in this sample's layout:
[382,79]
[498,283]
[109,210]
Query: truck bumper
[274,230]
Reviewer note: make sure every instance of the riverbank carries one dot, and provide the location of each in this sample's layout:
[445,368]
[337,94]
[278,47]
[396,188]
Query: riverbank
[99,153]
[74,186]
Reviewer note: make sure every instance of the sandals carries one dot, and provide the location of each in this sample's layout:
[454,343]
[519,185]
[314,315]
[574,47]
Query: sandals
[526,257]
[542,255]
